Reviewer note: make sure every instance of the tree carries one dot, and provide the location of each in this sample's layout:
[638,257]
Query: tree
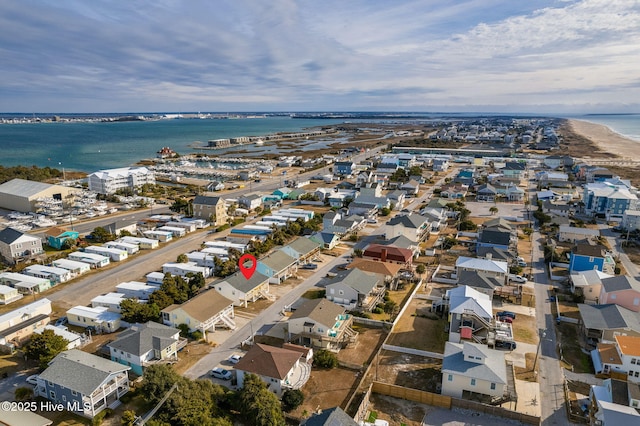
[182,258]
[259,406]
[493,210]
[292,399]
[69,243]
[325,359]
[385,211]
[24,393]
[101,235]
[389,307]
[133,311]
[44,346]
[158,379]
[421,269]
[180,205]
[128,418]
[357,252]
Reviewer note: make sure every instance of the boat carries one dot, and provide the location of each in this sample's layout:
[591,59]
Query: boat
[259,142]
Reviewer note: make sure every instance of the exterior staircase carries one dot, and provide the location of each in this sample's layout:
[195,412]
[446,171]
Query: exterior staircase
[471,313]
[228,322]
[267,296]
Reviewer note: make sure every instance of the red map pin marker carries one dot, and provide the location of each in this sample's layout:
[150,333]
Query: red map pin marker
[247,271]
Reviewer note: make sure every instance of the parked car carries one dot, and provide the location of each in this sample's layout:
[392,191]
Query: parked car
[235,358]
[509,314]
[221,373]
[309,266]
[61,321]
[522,263]
[505,319]
[505,345]
[33,379]
[517,279]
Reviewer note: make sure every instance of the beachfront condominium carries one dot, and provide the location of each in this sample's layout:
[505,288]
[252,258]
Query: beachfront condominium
[110,181]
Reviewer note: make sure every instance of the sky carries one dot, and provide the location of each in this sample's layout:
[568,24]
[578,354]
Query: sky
[543,56]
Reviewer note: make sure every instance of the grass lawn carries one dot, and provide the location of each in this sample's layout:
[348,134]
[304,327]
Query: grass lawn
[568,309]
[572,355]
[314,293]
[524,329]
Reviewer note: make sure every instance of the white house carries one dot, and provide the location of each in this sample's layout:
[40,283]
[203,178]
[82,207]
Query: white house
[16,326]
[74,339]
[115,254]
[630,220]
[204,312]
[76,268]
[488,267]
[135,290]
[413,226]
[241,290]
[8,294]
[130,248]
[176,231]
[100,318]
[470,368]
[92,259]
[52,273]
[573,234]
[143,243]
[111,301]
[162,236]
[26,284]
[182,269]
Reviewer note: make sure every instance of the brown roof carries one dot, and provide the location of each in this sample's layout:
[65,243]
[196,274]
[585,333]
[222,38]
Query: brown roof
[629,345]
[268,361]
[586,249]
[322,311]
[382,268]
[609,353]
[393,253]
[204,306]
[55,231]
[296,348]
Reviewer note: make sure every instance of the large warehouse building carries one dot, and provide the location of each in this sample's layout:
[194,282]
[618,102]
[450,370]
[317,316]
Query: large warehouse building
[22,195]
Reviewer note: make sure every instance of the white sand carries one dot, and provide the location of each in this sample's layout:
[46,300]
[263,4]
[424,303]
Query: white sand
[607,140]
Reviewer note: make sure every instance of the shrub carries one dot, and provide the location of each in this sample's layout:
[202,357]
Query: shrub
[197,335]
[325,359]
[377,310]
[292,399]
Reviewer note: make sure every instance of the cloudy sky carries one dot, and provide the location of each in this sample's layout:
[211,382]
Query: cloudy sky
[320,55]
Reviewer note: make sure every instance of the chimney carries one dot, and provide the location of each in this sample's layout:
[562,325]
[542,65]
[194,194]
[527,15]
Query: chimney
[383,255]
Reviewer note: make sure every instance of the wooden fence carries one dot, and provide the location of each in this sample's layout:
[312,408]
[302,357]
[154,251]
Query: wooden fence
[409,394]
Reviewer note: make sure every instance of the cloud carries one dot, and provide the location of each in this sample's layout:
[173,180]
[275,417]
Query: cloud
[310,55]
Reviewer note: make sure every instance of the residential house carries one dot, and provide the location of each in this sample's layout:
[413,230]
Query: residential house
[203,312]
[573,234]
[486,192]
[250,201]
[498,236]
[601,323]
[412,187]
[100,318]
[183,269]
[486,267]
[588,284]
[17,326]
[513,193]
[16,246]
[397,199]
[136,290]
[413,226]
[608,200]
[241,290]
[111,301]
[278,266]
[403,242]
[598,174]
[328,239]
[356,290]
[437,218]
[93,260]
[586,255]
[302,249]
[514,169]
[470,369]
[622,290]
[630,220]
[344,168]
[367,210]
[385,269]
[481,281]
[330,417]
[364,178]
[322,324]
[210,208]
[557,161]
[74,340]
[143,243]
[470,313]
[488,252]
[564,210]
[115,254]
[8,294]
[143,345]
[161,236]
[454,191]
[76,268]
[215,186]
[334,222]
[84,381]
[109,181]
[612,403]
[281,369]
[54,274]
[56,236]
[128,247]
[390,254]
[26,284]
[126,226]
[440,165]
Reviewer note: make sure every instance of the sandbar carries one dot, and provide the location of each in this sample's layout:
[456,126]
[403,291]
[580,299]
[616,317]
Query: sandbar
[607,140]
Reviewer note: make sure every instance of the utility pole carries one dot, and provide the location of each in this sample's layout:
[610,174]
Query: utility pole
[541,335]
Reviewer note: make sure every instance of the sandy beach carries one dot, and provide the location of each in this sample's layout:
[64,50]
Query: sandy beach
[607,140]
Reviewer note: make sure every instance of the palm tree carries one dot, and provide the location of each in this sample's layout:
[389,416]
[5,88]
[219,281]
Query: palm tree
[493,210]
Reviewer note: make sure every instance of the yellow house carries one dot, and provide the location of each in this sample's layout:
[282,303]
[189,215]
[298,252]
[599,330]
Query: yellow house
[204,312]
[205,207]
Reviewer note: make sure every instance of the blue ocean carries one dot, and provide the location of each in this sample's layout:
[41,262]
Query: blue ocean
[627,125]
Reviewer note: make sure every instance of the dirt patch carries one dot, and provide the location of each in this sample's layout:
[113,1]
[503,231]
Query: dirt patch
[413,330]
[362,352]
[525,329]
[326,389]
[571,350]
[398,411]
[527,373]
[410,371]
[190,355]
[569,309]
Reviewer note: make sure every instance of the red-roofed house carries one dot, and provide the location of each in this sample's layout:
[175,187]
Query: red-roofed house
[390,254]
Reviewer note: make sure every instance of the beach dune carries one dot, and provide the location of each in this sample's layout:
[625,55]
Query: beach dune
[607,140]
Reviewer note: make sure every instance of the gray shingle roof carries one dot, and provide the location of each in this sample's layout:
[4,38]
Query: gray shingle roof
[140,340]
[620,282]
[412,220]
[362,282]
[80,371]
[330,417]
[475,280]
[495,236]
[608,317]
[278,260]
[494,368]
[304,245]
[238,281]
[9,235]
[322,311]
[206,200]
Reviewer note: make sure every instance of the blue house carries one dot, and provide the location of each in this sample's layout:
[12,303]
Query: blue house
[344,168]
[586,257]
[56,236]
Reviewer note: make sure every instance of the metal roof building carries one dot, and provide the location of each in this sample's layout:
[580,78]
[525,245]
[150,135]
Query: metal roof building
[22,195]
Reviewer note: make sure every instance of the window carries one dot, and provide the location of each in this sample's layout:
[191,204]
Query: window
[340,292]
[636,301]
[473,382]
[64,398]
[52,395]
[613,297]
[630,373]
[636,374]
[450,378]
[493,386]
[634,404]
[633,360]
[591,259]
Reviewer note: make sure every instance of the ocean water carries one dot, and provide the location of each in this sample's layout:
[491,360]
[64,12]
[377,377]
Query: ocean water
[91,146]
[627,125]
